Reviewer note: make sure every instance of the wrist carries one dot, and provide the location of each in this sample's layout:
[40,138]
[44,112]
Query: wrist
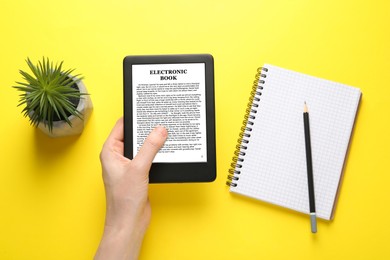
[127,217]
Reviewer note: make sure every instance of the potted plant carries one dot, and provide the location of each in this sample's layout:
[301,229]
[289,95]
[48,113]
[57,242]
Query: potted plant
[56,101]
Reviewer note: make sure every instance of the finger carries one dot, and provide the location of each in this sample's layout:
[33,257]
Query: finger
[114,141]
[117,131]
[151,146]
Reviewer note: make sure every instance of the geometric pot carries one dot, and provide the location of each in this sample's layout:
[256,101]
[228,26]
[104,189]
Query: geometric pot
[61,128]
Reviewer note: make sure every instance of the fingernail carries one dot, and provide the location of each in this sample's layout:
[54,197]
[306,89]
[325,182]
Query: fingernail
[162,130]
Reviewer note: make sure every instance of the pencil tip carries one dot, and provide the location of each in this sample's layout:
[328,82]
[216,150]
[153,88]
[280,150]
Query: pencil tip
[305,107]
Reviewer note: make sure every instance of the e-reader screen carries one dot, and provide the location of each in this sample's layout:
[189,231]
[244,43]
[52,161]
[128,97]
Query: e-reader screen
[171,95]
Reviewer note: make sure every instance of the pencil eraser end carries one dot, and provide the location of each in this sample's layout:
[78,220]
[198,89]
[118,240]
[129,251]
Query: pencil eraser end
[313,221]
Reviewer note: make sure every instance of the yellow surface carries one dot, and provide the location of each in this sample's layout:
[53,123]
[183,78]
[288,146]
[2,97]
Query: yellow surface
[51,192]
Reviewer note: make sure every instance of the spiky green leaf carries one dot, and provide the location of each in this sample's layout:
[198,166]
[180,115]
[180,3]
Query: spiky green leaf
[47,92]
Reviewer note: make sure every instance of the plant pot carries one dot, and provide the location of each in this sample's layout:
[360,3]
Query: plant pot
[62,128]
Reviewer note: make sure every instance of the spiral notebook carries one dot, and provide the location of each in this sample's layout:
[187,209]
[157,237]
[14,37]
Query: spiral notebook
[270,160]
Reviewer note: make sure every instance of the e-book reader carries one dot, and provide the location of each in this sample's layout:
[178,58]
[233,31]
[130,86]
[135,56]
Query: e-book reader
[177,92]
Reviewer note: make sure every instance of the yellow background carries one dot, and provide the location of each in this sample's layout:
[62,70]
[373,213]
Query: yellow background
[52,200]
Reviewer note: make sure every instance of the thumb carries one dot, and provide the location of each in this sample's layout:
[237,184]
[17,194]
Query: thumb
[151,146]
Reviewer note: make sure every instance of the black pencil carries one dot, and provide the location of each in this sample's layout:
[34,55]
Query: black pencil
[309,163]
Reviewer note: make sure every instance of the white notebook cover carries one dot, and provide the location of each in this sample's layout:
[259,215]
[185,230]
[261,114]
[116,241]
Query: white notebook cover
[274,167]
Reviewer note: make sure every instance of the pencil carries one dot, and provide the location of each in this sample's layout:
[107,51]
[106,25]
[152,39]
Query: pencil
[309,163]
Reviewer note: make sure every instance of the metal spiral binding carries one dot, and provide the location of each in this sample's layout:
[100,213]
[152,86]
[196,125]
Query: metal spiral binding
[247,124]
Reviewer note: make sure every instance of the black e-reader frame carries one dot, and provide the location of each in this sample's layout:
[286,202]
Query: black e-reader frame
[174,172]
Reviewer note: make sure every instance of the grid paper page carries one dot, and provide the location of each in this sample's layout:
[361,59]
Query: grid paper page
[274,168]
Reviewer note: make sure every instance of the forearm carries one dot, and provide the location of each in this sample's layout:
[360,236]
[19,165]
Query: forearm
[122,243]
[125,226]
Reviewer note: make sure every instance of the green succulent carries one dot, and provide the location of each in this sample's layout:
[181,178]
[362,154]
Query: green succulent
[48,93]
